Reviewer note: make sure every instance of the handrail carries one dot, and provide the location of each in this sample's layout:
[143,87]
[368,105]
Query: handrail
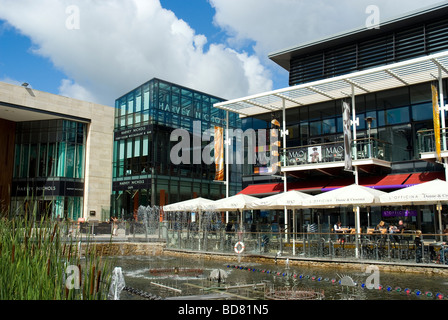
[431,130]
[334,142]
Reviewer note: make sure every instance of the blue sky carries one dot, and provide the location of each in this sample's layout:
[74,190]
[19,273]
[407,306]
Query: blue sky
[215,46]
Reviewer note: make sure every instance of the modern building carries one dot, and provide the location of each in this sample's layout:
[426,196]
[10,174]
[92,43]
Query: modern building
[56,154]
[384,78]
[143,172]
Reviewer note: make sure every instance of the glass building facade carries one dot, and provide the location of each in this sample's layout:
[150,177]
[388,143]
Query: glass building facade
[398,116]
[49,168]
[143,173]
[395,130]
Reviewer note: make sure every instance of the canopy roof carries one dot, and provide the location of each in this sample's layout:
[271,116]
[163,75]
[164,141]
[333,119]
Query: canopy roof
[350,195]
[386,77]
[430,192]
[233,203]
[196,204]
[291,199]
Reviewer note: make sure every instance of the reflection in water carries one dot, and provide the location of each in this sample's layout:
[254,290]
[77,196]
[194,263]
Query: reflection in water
[251,280]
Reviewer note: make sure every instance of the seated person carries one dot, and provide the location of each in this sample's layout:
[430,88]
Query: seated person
[338,229]
[381,227]
[397,230]
[418,246]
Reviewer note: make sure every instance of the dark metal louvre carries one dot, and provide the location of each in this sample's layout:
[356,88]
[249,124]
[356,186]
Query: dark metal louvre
[437,36]
[340,61]
[375,52]
[415,41]
[409,43]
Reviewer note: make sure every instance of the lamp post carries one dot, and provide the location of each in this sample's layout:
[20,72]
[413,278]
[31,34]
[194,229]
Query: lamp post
[369,128]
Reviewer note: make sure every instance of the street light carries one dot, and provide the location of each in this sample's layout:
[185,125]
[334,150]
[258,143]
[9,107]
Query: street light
[369,127]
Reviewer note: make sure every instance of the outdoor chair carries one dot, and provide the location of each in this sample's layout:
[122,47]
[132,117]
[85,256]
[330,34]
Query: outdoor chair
[404,249]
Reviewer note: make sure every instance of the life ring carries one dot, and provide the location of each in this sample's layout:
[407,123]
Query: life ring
[241,244]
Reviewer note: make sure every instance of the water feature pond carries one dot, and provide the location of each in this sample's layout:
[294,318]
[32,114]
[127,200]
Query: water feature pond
[169,277]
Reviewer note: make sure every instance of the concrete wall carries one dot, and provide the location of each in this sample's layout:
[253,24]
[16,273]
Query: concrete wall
[42,105]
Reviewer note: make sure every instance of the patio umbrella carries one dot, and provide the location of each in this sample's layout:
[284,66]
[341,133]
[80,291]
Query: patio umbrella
[290,200]
[233,203]
[431,192]
[193,205]
[196,204]
[354,194]
[237,202]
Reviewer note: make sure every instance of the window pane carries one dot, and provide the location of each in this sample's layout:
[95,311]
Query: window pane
[61,159]
[328,126]
[70,160]
[137,147]
[79,161]
[422,111]
[393,116]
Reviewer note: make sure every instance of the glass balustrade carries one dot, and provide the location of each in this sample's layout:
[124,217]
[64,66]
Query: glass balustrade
[334,152]
[426,140]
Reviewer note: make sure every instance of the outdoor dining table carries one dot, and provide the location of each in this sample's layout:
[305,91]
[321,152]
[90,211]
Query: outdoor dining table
[346,232]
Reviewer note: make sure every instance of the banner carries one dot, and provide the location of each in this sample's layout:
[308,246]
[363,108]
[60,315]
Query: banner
[347,137]
[219,154]
[436,119]
[275,144]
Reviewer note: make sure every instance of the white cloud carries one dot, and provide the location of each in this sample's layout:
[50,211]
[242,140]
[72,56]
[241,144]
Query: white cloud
[279,24]
[121,44]
[68,88]
[272,26]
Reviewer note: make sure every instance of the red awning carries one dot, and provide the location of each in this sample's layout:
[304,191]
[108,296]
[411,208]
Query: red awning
[262,189]
[417,178]
[391,181]
[273,188]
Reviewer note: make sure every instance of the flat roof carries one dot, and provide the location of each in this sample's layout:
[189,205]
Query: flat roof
[405,73]
[284,56]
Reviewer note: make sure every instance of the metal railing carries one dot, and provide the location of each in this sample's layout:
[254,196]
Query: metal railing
[426,140]
[327,246]
[275,242]
[334,152]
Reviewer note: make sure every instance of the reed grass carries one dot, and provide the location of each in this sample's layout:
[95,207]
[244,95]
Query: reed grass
[34,256]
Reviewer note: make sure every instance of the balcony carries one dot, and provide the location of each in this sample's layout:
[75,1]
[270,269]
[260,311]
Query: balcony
[427,145]
[326,156]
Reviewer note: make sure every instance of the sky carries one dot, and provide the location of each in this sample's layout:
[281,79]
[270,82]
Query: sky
[98,50]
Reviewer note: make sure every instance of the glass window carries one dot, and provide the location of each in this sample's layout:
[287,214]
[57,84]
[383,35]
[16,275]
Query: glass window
[145,97]
[129,148]
[422,111]
[52,158]
[393,98]
[137,147]
[24,161]
[393,116]
[79,161]
[328,126]
[123,106]
[43,160]
[17,161]
[70,161]
[420,93]
[60,171]
[315,128]
[130,103]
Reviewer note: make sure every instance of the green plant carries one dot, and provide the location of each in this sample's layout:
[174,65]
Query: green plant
[34,259]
